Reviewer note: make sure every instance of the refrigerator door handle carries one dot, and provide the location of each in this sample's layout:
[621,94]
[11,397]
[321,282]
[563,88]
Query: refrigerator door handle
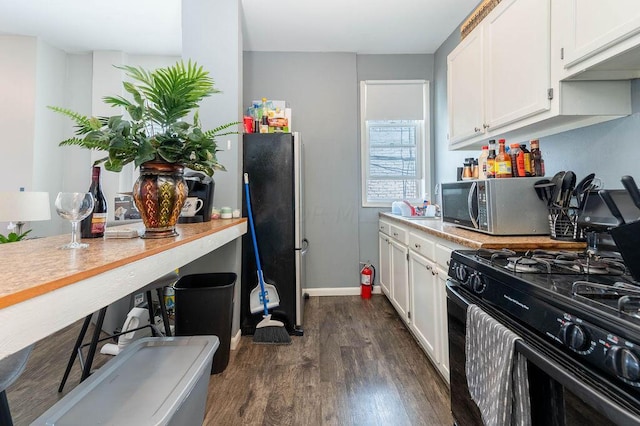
[305,246]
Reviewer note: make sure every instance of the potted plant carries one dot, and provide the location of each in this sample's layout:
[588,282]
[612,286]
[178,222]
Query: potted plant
[155,138]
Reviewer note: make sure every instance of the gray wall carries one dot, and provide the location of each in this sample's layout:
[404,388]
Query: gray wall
[387,67]
[321,89]
[608,149]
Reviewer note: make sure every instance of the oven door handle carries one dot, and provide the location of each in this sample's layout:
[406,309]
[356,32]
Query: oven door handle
[599,401]
[473,193]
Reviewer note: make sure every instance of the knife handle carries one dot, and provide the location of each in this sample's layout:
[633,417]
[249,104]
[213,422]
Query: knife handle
[608,200]
[631,187]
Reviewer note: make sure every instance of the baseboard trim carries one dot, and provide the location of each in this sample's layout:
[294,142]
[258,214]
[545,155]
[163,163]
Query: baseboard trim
[235,340]
[338,291]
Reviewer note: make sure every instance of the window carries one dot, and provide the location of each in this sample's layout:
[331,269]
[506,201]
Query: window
[394,137]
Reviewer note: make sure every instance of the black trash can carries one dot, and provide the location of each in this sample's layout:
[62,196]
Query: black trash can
[204,306]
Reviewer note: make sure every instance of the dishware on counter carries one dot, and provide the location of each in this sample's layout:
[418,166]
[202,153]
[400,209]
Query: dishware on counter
[226,213]
[74,206]
[191,206]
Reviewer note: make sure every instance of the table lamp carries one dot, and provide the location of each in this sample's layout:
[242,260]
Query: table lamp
[21,207]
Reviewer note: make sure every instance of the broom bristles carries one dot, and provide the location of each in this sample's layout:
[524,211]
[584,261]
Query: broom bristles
[270,331]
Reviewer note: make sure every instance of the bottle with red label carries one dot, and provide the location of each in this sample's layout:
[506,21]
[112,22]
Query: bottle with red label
[93,226]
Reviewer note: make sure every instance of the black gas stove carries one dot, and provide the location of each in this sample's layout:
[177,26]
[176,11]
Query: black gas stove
[584,304]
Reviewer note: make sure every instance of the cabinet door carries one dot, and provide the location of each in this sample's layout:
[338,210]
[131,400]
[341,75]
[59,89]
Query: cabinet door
[443,328]
[384,268]
[424,301]
[400,279]
[465,88]
[594,27]
[518,61]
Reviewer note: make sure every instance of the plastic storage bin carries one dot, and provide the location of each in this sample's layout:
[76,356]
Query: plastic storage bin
[204,306]
[154,381]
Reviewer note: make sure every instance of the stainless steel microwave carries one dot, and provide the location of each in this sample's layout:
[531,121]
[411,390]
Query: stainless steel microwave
[495,206]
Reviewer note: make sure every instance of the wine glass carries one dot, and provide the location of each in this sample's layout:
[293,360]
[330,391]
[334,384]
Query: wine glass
[74,206]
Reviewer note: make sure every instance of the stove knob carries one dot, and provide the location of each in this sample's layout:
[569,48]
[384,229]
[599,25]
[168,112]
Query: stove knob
[575,336]
[461,273]
[624,362]
[477,283]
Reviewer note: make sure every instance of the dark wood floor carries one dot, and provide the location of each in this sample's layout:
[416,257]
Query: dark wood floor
[357,364]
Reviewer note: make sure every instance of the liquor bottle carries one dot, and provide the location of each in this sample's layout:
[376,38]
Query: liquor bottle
[93,225]
[491,160]
[514,152]
[502,162]
[525,157]
[482,162]
[537,163]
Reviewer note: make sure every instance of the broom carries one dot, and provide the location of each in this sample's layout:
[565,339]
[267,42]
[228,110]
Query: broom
[267,330]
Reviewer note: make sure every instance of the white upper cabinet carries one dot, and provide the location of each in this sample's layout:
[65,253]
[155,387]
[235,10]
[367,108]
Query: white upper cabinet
[466,88]
[487,70]
[505,80]
[517,61]
[601,40]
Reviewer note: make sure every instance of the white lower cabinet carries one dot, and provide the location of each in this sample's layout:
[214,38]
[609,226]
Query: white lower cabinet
[413,273]
[384,266]
[443,326]
[424,310]
[400,279]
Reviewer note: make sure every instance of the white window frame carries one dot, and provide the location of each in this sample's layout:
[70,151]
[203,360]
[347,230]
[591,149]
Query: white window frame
[423,145]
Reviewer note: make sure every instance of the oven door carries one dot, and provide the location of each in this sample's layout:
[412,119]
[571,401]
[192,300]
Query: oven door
[562,391]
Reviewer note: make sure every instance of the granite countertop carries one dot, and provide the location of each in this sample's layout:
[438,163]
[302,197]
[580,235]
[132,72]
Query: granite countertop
[477,240]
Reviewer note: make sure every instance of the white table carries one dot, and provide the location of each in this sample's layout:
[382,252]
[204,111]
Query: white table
[44,289]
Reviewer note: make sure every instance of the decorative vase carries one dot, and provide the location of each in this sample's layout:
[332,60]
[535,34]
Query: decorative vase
[159,194]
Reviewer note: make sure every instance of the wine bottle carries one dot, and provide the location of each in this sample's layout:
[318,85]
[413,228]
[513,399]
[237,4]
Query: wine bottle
[93,225]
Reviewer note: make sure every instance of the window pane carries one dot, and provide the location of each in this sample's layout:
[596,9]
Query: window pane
[384,190]
[392,162]
[392,135]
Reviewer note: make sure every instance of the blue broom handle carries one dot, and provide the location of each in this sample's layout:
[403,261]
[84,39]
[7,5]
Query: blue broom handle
[255,243]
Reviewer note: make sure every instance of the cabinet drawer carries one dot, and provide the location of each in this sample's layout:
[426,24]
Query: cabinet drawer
[384,227]
[399,234]
[421,245]
[443,254]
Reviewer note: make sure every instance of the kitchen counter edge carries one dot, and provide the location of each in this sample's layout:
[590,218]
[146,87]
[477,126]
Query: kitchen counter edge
[476,240]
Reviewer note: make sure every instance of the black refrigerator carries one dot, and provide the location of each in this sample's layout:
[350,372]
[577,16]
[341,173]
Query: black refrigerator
[274,163]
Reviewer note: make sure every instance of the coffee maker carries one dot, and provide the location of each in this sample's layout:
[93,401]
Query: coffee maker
[201,186]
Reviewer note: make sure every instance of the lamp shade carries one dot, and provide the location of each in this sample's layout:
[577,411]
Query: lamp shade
[24,206]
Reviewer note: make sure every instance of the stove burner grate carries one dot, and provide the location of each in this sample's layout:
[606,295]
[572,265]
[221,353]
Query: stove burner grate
[527,264]
[553,261]
[623,297]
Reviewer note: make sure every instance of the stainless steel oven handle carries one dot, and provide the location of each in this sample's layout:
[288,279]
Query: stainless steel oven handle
[472,191]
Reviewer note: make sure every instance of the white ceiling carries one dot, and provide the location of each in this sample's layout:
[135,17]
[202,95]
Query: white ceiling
[153,26]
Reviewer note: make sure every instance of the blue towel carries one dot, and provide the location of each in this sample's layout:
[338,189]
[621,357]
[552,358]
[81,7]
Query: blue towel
[496,374]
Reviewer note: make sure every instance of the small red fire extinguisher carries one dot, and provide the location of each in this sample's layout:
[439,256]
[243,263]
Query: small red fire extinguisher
[367,276]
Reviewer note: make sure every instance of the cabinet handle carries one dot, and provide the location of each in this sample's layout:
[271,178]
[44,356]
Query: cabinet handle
[395,234]
[417,245]
[476,129]
[428,267]
[433,272]
[486,126]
